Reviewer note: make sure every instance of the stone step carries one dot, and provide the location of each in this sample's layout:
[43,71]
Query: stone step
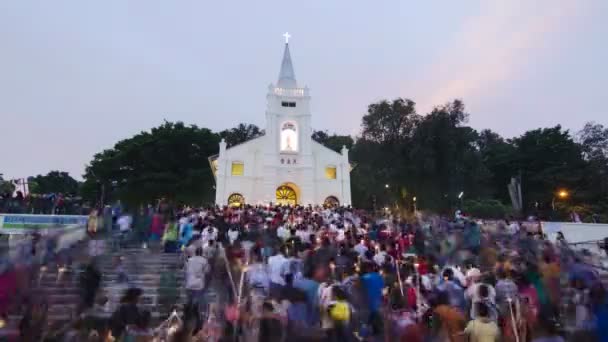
[143,276]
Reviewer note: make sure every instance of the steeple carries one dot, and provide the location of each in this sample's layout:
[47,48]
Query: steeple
[287,78]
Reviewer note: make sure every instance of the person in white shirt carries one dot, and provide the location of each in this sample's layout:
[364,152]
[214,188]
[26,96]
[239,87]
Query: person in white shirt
[341,235]
[257,274]
[513,228]
[361,248]
[124,223]
[233,234]
[276,267]
[380,257]
[210,249]
[209,233]
[196,272]
[182,223]
[283,233]
[304,235]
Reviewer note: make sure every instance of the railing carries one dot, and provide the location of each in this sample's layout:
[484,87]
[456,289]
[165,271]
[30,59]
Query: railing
[291,92]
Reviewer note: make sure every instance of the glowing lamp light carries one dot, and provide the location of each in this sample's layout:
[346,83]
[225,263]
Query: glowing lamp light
[562,194]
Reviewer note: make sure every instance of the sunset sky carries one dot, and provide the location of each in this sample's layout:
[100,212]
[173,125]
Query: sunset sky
[77,76]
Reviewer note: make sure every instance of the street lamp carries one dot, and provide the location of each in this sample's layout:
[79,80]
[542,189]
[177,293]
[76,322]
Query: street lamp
[562,194]
[460,198]
[386,186]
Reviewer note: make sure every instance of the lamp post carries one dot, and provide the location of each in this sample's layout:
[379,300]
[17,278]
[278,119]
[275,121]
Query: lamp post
[414,200]
[460,195]
[561,194]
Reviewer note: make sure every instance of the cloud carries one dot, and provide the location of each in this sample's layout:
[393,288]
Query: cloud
[492,46]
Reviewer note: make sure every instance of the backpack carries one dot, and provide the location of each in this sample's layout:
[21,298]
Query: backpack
[339,311]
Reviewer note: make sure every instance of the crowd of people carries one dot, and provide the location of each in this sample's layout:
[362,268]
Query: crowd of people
[340,274]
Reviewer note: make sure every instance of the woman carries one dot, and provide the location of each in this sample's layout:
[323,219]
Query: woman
[140,331]
[92,222]
[33,323]
[127,313]
[482,328]
[157,227]
[170,237]
[451,320]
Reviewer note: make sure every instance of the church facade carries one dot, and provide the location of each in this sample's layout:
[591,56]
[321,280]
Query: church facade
[285,165]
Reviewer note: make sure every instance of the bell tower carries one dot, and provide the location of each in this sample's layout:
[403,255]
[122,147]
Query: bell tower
[288,112]
[288,156]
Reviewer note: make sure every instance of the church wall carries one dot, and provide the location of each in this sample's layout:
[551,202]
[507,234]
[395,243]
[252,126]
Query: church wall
[325,157]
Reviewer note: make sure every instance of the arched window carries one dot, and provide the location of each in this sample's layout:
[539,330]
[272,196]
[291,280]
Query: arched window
[289,137]
[236,200]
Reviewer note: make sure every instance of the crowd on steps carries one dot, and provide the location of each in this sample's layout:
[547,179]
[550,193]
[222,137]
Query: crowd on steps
[284,273]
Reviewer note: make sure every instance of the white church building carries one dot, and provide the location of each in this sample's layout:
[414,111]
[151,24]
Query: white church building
[285,165]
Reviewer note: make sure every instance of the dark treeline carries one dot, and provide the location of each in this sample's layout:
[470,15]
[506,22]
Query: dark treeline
[401,159]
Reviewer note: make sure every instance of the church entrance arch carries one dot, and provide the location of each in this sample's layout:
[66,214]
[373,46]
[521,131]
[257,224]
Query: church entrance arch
[286,194]
[331,202]
[236,200]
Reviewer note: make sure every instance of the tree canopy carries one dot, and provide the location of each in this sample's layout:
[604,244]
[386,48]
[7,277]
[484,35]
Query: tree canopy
[168,162]
[6,186]
[54,182]
[334,141]
[240,134]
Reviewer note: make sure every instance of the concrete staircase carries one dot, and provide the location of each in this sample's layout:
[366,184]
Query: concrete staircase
[143,268]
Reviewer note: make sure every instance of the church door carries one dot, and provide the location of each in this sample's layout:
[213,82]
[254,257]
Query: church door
[286,195]
[236,200]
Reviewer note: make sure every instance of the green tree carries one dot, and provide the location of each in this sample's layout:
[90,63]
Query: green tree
[380,155]
[334,141]
[54,182]
[390,121]
[6,186]
[549,160]
[168,162]
[445,159]
[498,156]
[593,139]
[240,134]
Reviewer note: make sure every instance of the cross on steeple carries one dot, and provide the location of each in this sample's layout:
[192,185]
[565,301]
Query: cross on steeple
[287,36]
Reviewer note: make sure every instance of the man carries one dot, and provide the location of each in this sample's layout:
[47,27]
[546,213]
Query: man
[124,223]
[380,257]
[373,284]
[233,234]
[276,265]
[283,233]
[361,248]
[506,290]
[209,233]
[196,270]
[452,287]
